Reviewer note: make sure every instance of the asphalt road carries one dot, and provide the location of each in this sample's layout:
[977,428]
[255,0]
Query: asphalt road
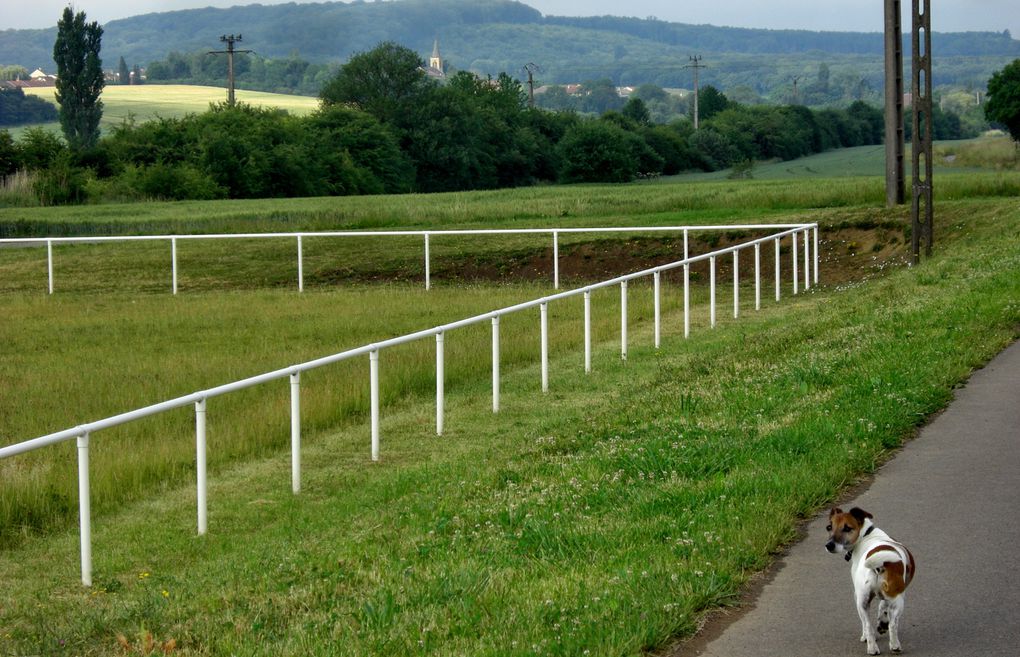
[952,495]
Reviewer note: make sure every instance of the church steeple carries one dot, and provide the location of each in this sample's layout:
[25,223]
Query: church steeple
[436,61]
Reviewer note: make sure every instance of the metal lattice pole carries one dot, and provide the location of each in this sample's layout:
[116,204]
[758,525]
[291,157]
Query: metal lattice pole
[921,140]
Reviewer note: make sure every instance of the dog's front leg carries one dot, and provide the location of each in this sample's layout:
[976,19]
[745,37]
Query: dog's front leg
[863,601]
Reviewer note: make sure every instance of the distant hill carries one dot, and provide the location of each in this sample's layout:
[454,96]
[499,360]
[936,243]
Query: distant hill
[490,36]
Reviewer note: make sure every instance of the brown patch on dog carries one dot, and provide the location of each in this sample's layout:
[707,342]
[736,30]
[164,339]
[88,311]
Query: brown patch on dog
[893,582]
[896,575]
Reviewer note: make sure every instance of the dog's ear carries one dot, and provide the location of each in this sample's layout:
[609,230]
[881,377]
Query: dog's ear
[835,511]
[860,514]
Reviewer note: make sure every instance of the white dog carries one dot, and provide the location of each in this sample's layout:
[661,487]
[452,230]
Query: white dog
[879,567]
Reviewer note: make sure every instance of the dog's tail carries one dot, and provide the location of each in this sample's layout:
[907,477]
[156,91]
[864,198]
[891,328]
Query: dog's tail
[894,563]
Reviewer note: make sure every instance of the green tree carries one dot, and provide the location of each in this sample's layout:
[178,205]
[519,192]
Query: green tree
[598,151]
[1003,104]
[387,82]
[123,74]
[8,154]
[79,78]
[711,101]
[636,111]
[39,148]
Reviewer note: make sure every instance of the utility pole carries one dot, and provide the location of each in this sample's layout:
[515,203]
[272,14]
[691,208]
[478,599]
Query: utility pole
[229,52]
[531,67]
[921,212]
[796,98]
[894,178]
[696,65]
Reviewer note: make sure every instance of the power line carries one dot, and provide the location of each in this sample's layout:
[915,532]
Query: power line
[531,67]
[229,52]
[696,65]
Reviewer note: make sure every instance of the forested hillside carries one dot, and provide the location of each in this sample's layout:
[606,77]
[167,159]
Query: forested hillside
[493,36]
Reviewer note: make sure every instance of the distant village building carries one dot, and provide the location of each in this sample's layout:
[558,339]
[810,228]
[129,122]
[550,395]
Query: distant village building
[436,70]
[36,78]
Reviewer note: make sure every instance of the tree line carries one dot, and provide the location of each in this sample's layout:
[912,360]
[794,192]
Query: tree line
[16,108]
[385,127]
[287,75]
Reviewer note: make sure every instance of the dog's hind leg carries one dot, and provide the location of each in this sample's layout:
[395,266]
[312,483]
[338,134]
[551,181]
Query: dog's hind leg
[863,601]
[883,616]
[895,608]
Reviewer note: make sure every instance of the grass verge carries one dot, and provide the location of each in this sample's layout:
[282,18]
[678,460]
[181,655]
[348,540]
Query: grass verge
[598,519]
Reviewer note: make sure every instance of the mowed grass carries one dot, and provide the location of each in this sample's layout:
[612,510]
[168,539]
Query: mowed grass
[149,101]
[988,153]
[746,201]
[601,517]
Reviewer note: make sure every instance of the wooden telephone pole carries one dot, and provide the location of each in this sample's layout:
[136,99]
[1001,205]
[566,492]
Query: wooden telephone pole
[894,179]
[229,52]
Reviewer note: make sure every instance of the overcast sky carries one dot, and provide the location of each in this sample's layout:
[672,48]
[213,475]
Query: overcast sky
[852,15]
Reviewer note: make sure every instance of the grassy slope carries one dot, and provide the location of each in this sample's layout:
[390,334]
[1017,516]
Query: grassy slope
[149,101]
[605,522]
[996,151]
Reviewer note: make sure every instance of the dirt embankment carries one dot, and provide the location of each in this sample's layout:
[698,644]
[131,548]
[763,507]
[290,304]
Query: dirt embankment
[848,255]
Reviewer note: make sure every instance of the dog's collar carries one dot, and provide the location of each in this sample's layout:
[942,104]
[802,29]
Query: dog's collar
[850,553]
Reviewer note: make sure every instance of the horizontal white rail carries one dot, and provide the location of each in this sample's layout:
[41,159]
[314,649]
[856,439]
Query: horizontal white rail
[404,233]
[82,432]
[299,236]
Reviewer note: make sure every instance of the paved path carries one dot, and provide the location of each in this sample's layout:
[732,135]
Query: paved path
[953,496]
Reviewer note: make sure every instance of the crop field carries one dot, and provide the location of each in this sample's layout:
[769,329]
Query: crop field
[603,517]
[149,101]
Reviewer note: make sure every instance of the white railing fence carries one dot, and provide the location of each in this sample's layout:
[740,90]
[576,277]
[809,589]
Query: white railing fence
[83,433]
[426,235]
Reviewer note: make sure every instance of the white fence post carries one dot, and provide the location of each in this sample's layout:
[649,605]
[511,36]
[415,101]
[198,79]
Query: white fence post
[295,432]
[778,286]
[736,285]
[173,262]
[544,315]
[711,294]
[300,266]
[373,384]
[657,282]
[796,279]
[49,264]
[757,276]
[556,260]
[84,509]
[687,291]
[587,331]
[623,320]
[440,383]
[428,264]
[807,261]
[816,254]
[495,364]
[200,467]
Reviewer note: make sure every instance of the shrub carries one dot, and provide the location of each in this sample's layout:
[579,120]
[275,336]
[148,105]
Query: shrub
[597,151]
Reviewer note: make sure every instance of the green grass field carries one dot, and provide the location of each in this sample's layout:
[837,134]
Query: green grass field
[993,152]
[601,518]
[149,101]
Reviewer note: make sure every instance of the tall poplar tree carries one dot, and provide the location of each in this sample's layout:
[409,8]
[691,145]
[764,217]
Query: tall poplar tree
[79,78]
[123,74]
